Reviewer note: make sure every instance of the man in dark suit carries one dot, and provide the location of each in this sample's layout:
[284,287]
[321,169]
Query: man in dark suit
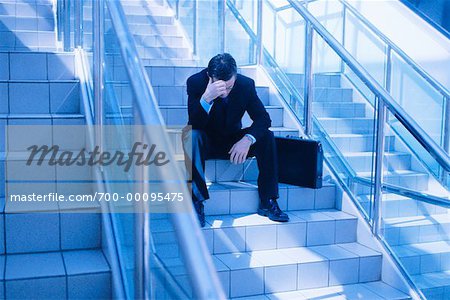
[218,97]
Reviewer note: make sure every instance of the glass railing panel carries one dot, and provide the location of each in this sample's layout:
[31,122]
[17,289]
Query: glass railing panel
[408,164]
[344,122]
[248,11]
[238,41]
[122,126]
[418,98]
[418,236]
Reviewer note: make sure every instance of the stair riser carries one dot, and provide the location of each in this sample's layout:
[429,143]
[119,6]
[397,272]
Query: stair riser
[271,279]
[163,53]
[411,181]
[28,9]
[167,30]
[226,201]
[356,126]
[361,143]
[289,235]
[416,234]
[320,80]
[407,208]
[11,23]
[179,116]
[146,10]
[47,66]
[339,110]
[154,18]
[428,263]
[28,41]
[391,163]
[33,98]
[160,41]
[42,232]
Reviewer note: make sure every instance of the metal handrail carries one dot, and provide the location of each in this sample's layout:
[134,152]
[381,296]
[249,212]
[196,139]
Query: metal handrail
[424,74]
[419,134]
[199,264]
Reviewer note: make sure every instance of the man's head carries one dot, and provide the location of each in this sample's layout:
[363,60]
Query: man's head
[223,67]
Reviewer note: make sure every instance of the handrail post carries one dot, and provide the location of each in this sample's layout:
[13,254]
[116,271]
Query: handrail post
[98,47]
[379,155]
[78,24]
[221,18]
[66,25]
[259,26]
[195,29]
[388,70]
[308,81]
[344,18]
[445,135]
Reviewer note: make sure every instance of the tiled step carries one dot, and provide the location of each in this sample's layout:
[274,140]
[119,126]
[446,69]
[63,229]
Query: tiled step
[339,110]
[163,52]
[12,23]
[351,142]
[424,257]
[177,115]
[28,40]
[40,96]
[251,232]
[395,206]
[347,125]
[282,270]
[405,178]
[27,8]
[319,80]
[58,275]
[242,198]
[160,29]
[160,41]
[46,66]
[52,231]
[393,161]
[418,229]
[151,16]
[174,62]
[376,290]
[434,285]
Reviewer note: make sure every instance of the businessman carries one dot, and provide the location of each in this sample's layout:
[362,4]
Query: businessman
[218,97]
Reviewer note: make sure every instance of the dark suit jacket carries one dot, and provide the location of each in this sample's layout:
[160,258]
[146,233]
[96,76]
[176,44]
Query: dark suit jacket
[226,119]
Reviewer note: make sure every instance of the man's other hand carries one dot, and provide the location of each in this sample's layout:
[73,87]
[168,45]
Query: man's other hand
[214,90]
[239,151]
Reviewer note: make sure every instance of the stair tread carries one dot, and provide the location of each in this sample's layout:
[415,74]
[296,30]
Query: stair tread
[237,220]
[298,255]
[350,135]
[37,265]
[370,153]
[367,174]
[370,291]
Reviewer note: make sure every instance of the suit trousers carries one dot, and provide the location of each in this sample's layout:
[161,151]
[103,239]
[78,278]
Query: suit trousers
[199,146]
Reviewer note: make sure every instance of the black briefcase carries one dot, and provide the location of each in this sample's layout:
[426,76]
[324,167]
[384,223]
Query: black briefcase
[300,161]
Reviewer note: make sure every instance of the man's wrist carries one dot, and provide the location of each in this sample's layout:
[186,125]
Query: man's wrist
[251,138]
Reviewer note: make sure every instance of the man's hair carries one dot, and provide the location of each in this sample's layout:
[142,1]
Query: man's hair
[222,67]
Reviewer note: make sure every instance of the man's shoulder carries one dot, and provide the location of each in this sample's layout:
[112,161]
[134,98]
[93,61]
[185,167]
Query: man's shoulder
[198,77]
[244,81]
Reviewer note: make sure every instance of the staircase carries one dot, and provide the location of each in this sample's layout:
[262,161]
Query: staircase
[316,254]
[419,232]
[55,253]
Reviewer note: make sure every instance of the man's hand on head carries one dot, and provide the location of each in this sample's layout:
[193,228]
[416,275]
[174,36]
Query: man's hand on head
[239,151]
[214,90]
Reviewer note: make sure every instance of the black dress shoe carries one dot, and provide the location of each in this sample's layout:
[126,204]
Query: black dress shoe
[273,211]
[200,210]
